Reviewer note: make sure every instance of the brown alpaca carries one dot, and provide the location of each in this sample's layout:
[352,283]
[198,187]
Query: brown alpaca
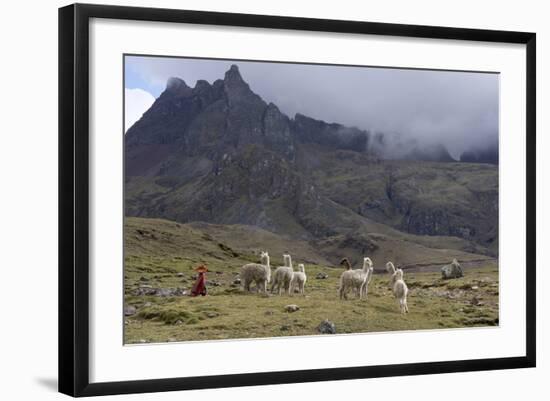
[345,262]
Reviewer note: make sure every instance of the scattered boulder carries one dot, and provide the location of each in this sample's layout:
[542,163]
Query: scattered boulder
[170,292]
[477,301]
[159,292]
[180,275]
[163,292]
[452,270]
[213,283]
[327,327]
[321,276]
[292,308]
[130,310]
[144,291]
[143,278]
[237,281]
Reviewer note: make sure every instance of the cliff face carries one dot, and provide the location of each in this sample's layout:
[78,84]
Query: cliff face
[218,153]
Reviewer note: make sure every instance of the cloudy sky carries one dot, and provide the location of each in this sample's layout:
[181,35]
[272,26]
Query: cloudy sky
[457,109]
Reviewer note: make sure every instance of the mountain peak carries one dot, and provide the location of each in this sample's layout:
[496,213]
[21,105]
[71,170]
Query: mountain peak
[177,86]
[233,74]
[202,85]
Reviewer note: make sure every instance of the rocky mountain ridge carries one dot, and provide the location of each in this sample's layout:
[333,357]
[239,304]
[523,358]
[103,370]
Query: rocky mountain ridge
[219,153]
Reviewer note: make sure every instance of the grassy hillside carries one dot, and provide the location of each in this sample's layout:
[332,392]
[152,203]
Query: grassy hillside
[161,255]
[330,195]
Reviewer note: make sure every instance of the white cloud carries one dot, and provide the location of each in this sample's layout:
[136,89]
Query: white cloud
[457,109]
[137,102]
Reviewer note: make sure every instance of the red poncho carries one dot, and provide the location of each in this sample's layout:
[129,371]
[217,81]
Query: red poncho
[199,288]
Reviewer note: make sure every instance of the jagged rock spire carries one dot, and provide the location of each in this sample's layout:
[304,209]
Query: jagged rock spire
[177,86]
[233,74]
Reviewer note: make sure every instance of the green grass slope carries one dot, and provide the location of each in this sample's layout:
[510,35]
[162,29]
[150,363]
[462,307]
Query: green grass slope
[160,254]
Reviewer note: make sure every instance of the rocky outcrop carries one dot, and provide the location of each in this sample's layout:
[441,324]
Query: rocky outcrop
[453,270]
[335,136]
[276,132]
[245,110]
[326,327]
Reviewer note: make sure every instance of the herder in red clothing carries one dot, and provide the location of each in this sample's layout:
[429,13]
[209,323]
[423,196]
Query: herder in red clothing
[199,288]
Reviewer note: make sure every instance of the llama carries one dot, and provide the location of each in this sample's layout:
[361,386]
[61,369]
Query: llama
[345,262]
[298,280]
[357,280]
[390,268]
[400,290]
[260,273]
[283,276]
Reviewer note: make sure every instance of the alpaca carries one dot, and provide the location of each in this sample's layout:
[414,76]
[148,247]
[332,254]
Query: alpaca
[390,268]
[345,262]
[357,280]
[400,290]
[260,273]
[298,280]
[347,265]
[283,276]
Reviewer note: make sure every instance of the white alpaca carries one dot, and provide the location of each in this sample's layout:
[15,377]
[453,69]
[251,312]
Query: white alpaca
[390,268]
[298,280]
[260,273]
[357,280]
[283,276]
[400,290]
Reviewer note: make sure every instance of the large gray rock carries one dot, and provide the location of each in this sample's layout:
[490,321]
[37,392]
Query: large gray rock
[129,310]
[452,270]
[144,290]
[327,327]
[292,308]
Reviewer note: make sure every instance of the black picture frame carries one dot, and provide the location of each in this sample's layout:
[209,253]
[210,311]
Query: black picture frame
[74,198]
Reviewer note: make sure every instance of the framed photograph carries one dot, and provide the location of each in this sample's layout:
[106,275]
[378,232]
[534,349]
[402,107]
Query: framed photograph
[250,199]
